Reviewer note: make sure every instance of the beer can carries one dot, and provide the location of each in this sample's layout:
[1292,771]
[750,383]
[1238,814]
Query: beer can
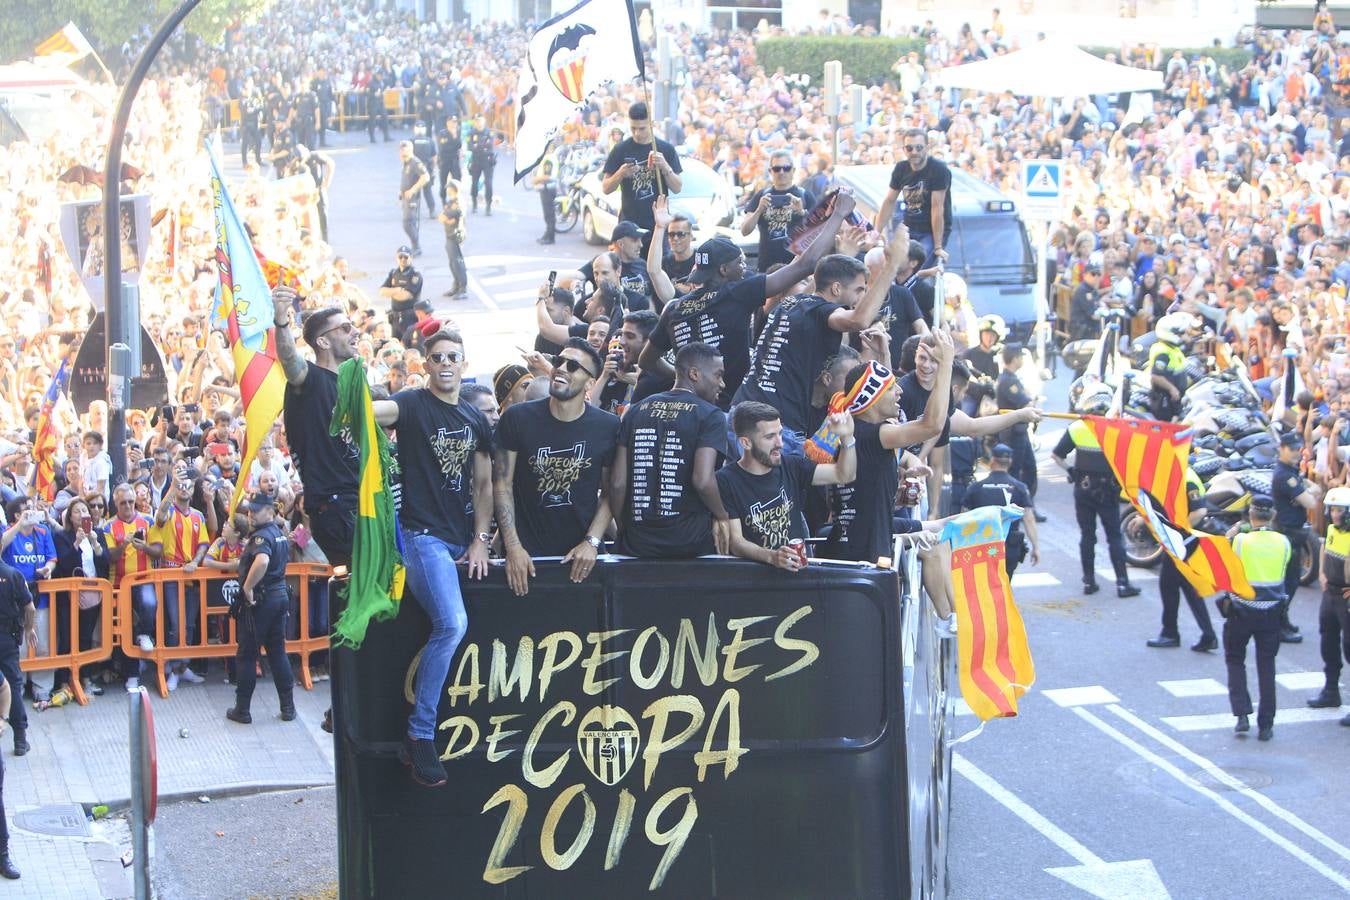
[799,547]
[910,491]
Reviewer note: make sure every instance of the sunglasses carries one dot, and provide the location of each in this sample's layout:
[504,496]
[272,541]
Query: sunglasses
[913,148]
[780,168]
[677,235]
[571,365]
[450,356]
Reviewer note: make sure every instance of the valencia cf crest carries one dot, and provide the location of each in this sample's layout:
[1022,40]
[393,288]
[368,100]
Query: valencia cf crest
[567,61]
[608,741]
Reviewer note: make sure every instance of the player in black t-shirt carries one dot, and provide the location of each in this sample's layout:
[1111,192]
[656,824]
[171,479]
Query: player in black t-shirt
[719,312]
[663,483]
[641,166]
[614,389]
[550,466]
[926,186]
[444,455]
[765,491]
[776,210]
[624,267]
[900,312]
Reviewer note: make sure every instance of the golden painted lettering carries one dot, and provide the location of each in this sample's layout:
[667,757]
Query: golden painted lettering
[459,726]
[499,682]
[597,659]
[730,757]
[739,644]
[549,665]
[497,735]
[657,742]
[548,847]
[546,777]
[809,651]
[516,803]
[686,643]
[468,666]
[623,823]
[647,682]
[410,679]
[674,839]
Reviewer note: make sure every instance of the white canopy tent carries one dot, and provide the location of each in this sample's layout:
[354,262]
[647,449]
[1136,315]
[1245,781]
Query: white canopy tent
[1051,68]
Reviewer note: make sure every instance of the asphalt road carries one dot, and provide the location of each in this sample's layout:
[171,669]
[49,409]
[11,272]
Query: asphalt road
[1120,778]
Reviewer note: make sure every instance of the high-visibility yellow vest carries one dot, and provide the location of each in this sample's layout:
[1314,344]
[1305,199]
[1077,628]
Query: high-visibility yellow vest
[1265,557]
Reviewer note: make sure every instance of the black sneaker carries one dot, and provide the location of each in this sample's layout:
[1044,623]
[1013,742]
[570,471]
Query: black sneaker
[1208,642]
[242,717]
[1328,699]
[1290,636]
[420,756]
[1243,725]
[1125,589]
[1165,640]
[1265,734]
[1090,587]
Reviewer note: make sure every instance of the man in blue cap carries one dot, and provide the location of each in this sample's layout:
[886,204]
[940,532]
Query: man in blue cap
[999,488]
[1265,556]
[1293,496]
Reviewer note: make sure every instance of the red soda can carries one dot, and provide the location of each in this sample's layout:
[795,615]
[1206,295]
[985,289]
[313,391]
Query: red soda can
[798,546]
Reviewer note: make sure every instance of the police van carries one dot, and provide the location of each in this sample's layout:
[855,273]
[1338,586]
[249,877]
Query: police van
[988,246]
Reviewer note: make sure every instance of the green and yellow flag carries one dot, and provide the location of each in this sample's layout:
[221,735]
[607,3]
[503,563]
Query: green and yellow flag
[376,582]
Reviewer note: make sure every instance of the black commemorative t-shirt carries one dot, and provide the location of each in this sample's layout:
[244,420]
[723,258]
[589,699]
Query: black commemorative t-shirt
[677,270]
[616,397]
[548,348]
[637,287]
[436,446]
[775,226]
[898,313]
[863,510]
[915,190]
[796,341]
[721,319]
[913,399]
[770,506]
[664,516]
[639,190]
[328,465]
[558,471]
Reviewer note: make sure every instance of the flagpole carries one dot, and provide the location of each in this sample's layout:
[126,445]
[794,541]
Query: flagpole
[116,329]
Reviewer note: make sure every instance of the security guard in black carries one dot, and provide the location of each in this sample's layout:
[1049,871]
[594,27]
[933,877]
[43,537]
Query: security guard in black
[265,609]
[17,615]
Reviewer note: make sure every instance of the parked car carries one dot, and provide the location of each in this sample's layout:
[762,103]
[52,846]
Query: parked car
[988,246]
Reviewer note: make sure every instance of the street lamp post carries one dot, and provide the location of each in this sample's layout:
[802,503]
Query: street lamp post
[121,333]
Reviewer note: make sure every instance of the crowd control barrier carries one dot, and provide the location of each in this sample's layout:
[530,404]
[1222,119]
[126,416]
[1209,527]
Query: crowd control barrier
[64,595]
[700,728]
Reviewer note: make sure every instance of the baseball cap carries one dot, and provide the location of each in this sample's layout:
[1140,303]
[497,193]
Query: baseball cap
[506,379]
[1002,451]
[1092,269]
[1291,439]
[259,502]
[627,229]
[711,255]
[1262,502]
[405,250]
[422,305]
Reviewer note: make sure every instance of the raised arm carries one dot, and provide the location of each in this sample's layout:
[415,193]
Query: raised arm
[293,365]
[805,264]
[865,313]
[662,288]
[549,330]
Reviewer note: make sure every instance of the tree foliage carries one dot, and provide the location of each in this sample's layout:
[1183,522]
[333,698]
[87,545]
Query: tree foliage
[867,59]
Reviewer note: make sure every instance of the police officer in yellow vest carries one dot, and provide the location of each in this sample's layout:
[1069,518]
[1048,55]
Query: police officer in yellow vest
[1167,366]
[1171,584]
[1333,619]
[1265,555]
[1096,495]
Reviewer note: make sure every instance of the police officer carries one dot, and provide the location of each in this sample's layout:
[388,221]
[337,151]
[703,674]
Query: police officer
[376,114]
[1096,495]
[1171,584]
[448,144]
[983,357]
[306,127]
[1265,555]
[424,148]
[1294,496]
[263,608]
[546,180]
[402,288]
[962,455]
[18,619]
[250,123]
[999,488]
[1167,366]
[1333,619]
[1083,321]
[1010,393]
[7,867]
[482,162]
[413,177]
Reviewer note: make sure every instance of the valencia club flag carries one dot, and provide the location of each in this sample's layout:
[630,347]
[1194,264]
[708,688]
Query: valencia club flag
[1149,460]
[45,441]
[243,310]
[995,660]
[593,44]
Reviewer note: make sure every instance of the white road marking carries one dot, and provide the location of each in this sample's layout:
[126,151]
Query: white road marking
[1228,781]
[525,294]
[1034,580]
[538,276]
[1109,575]
[1215,721]
[1081,696]
[1194,687]
[1301,681]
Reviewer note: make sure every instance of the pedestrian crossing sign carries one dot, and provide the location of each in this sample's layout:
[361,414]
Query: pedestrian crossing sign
[1042,182]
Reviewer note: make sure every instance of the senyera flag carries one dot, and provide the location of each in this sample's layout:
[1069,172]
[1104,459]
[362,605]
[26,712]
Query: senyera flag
[243,310]
[45,440]
[994,658]
[377,574]
[593,44]
[1149,460]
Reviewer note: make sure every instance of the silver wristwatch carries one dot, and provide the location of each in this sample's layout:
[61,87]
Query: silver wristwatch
[594,541]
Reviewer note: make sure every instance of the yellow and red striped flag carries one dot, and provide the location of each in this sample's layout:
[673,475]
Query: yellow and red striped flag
[994,658]
[45,440]
[68,42]
[1149,460]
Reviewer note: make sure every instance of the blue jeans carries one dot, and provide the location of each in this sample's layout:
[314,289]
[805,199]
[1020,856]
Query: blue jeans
[173,635]
[794,443]
[435,584]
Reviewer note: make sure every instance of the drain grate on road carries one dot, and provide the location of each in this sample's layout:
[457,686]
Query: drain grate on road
[58,819]
[1250,778]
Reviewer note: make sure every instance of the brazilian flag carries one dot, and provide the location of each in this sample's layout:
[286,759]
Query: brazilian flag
[376,582]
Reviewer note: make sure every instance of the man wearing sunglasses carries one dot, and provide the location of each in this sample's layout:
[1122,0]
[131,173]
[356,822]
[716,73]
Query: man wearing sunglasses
[925,185]
[776,210]
[444,453]
[550,469]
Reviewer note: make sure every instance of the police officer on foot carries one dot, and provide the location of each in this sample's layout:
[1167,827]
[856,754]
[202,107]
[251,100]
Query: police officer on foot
[18,619]
[1171,584]
[1294,496]
[264,607]
[1265,555]
[1096,495]
[1333,618]
[402,287]
[999,488]
[7,868]
[1010,393]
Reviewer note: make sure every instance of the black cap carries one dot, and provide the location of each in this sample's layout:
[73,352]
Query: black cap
[711,255]
[1262,503]
[1291,439]
[422,305]
[1001,451]
[626,229]
[1092,269]
[259,502]
[405,250]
